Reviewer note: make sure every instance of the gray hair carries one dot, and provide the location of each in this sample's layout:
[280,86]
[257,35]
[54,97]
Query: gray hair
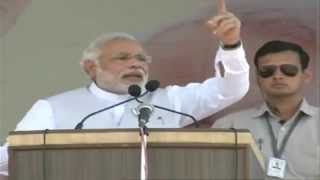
[92,52]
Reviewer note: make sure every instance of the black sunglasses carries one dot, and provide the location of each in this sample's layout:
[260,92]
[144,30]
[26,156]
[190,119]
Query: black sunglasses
[267,71]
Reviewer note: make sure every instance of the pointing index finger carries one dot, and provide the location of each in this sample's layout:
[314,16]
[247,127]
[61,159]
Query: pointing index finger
[222,7]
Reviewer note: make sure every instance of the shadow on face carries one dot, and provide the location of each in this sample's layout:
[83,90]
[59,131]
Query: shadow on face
[280,75]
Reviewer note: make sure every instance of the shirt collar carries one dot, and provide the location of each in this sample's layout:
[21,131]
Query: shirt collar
[261,110]
[103,94]
[305,107]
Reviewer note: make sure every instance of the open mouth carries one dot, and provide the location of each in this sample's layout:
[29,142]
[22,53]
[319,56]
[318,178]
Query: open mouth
[133,76]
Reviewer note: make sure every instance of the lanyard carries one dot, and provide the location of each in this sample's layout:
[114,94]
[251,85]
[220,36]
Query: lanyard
[278,152]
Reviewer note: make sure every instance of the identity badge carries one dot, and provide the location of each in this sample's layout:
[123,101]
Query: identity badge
[276,167]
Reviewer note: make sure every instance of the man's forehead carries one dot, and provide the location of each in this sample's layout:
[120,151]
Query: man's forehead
[284,57]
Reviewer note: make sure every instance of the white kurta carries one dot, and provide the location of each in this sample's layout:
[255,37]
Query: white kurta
[198,99]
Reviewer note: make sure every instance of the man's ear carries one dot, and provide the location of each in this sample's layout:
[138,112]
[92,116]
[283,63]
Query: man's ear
[307,76]
[90,67]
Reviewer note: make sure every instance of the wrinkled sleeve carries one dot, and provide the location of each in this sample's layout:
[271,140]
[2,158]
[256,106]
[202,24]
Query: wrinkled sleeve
[39,117]
[216,93]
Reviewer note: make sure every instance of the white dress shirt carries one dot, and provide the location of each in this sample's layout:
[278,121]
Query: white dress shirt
[198,99]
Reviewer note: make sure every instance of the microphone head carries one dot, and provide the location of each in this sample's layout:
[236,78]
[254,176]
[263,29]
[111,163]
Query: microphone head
[152,85]
[134,90]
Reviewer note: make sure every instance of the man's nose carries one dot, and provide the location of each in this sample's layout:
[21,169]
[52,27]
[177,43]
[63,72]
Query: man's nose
[278,73]
[135,62]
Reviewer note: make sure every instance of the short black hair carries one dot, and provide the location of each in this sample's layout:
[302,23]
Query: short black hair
[276,46]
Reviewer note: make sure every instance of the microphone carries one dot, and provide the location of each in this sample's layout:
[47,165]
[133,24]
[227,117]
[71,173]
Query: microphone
[133,90]
[153,85]
[145,111]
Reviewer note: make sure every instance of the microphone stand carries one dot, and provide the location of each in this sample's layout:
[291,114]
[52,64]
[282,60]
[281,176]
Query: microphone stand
[173,111]
[143,152]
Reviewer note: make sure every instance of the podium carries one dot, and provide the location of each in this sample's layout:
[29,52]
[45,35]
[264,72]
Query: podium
[114,154]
